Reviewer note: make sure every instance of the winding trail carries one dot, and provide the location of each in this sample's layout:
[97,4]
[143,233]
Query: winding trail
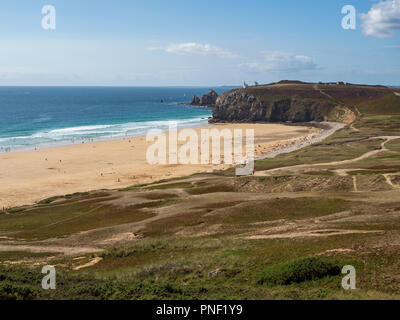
[334,163]
[316,88]
[355,183]
[389,181]
[354,128]
[89,264]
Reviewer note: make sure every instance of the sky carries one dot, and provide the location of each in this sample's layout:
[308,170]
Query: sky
[197,42]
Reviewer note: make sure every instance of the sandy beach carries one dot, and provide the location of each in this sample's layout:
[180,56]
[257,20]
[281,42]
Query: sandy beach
[30,176]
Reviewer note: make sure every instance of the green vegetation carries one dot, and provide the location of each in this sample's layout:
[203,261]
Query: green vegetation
[298,271]
[184,268]
[170,186]
[223,187]
[285,235]
[75,196]
[60,220]
[338,147]
[281,208]
[10,291]
[393,145]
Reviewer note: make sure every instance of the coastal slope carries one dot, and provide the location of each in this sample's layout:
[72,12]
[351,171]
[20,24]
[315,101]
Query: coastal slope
[293,101]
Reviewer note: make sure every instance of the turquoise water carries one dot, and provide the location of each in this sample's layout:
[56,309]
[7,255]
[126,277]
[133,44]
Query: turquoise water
[36,117]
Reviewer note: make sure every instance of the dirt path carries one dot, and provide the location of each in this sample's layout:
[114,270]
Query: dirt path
[344,172]
[89,264]
[355,184]
[316,88]
[68,251]
[324,226]
[353,128]
[310,233]
[397,93]
[389,181]
[334,163]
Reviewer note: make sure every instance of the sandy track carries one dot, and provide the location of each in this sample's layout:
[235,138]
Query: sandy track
[389,181]
[334,163]
[324,226]
[310,233]
[316,88]
[41,248]
[353,128]
[355,184]
[89,264]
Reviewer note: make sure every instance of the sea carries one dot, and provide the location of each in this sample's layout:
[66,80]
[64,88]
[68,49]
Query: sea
[38,117]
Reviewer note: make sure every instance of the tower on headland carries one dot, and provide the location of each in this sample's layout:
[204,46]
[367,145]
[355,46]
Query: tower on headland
[245,85]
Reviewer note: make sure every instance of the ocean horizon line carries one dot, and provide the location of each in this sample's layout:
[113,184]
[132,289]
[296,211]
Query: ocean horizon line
[117,86]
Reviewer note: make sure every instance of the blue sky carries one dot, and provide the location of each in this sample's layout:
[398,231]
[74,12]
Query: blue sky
[198,42]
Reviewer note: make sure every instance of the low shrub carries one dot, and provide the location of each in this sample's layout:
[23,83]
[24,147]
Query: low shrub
[299,270]
[9,291]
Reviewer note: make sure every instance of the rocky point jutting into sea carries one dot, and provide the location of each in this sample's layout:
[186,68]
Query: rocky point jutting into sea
[207,100]
[285,101]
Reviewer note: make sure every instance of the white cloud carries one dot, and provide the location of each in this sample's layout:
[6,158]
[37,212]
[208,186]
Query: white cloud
[277,61]
[382,19]
[196,48]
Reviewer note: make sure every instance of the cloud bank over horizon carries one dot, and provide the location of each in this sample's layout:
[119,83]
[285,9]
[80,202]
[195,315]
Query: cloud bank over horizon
[197,49]
[278,61]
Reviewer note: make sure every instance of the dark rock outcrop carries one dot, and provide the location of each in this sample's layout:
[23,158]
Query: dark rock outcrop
[195,101]
[241,106]
[207,100]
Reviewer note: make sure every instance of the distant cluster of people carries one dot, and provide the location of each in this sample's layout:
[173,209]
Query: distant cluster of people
[5,149]
[279,146]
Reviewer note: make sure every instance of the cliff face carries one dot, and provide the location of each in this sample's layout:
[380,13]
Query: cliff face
[262,105]
[207,100]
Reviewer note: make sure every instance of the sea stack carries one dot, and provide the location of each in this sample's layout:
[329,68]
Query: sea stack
[195,101]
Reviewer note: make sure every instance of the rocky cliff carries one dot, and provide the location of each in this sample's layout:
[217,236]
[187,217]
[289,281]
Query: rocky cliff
[279,103]
[207,100]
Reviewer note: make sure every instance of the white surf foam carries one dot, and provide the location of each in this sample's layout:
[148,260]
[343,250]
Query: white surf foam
[79,134]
